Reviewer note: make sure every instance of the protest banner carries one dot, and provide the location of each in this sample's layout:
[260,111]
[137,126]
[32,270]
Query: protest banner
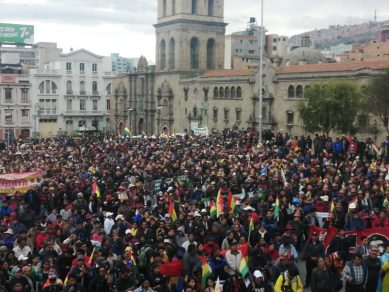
[201,131]
[19,182]
[375,236]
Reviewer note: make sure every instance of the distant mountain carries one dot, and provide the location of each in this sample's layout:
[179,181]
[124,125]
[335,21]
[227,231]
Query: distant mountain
[338,34]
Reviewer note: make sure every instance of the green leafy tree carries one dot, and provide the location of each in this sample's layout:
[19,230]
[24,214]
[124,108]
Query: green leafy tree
[377,98]
[329,106]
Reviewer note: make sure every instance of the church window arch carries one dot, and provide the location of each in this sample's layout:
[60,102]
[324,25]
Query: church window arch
[221,92]
[194,6]
[172,53]
[211,7]
[162,49]
[194,53]
[211,54]
[299,91]
[233,92]
[291,92]
[173,7]
[239,92]
[227,92]
[164,8]
[215,92]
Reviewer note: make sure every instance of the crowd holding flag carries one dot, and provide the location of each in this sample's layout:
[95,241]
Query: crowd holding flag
[96,189]
[231,204]
[172,211]
[206,272]
[126,132]
[353,204]
[213,211]
[219,204]
[277,208]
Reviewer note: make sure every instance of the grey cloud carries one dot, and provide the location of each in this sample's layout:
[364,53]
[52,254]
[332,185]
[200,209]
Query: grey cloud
[84,12]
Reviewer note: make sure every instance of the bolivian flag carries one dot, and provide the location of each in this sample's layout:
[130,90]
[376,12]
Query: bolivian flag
[96,189]
[213,211]
[232,208]
[251,225]
[353,204]
[172,211]
[206,273]
[219,204]
[126,132]
[243,268]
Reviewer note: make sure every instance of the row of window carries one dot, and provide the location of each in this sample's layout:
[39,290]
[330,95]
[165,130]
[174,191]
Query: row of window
[47,106]
[220,92]
[82,104]
[194,54]
[50,87]
[9,94]
[81,66]
[194,7]
[69,87]
[297,91]
[10,114]
[238,114]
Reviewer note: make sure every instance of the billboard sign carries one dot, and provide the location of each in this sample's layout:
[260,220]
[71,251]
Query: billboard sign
[16,33]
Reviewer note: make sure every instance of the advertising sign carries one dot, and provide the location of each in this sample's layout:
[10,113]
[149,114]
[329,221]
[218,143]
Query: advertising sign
[16,33]
[19,182]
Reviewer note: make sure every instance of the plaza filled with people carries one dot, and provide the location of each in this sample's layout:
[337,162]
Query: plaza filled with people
[100,212]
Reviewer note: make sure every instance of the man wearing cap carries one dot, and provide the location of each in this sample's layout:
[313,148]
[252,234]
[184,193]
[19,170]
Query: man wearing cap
[181,237]
[18,277]
[313,249]
[258,283]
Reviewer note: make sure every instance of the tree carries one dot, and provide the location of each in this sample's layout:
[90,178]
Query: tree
[377,98]
[329,106]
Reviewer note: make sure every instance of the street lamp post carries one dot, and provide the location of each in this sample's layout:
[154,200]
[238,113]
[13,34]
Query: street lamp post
[261,79]
[8,125]
[37,108]
[130,110]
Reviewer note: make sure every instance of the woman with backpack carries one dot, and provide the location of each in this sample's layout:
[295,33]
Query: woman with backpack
[289,281]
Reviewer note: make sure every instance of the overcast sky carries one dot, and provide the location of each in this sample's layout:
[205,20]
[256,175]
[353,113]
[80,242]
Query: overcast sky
[125,26]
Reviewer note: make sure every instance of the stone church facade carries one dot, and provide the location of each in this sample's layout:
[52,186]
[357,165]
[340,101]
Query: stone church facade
[188,86]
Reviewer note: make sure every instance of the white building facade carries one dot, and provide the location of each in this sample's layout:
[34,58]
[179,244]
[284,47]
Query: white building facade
[70,94]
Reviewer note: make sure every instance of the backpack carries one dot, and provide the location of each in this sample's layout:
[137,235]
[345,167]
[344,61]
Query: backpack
[286,287]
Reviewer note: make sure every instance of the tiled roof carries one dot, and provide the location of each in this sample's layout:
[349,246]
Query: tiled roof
[227,73]
[376,64]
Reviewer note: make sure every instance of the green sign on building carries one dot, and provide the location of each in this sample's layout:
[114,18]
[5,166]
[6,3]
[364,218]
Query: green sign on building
[16,33]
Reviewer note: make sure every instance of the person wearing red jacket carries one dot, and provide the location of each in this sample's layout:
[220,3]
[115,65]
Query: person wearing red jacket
[382,220]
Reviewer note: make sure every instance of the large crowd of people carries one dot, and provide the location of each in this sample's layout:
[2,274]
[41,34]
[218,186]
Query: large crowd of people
[137,214]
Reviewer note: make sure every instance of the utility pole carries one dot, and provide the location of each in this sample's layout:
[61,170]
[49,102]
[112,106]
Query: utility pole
[261,79]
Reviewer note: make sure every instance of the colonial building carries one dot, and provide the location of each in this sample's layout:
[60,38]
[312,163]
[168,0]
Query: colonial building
[15,102]
[70,93]
[189,88]
[290,83]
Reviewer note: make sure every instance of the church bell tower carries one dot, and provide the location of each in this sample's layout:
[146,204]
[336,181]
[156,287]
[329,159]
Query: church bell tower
[190,35]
